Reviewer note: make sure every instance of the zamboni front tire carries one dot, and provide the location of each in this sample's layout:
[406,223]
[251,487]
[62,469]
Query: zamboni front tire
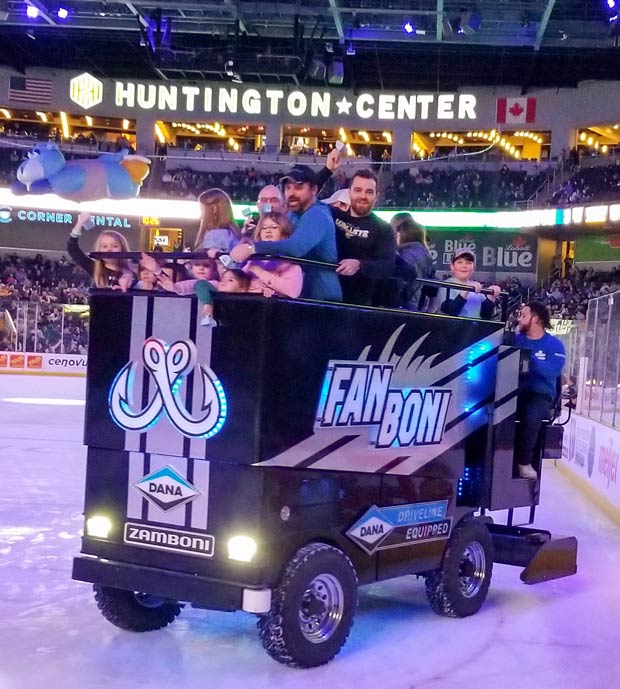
[312,607]
[459,587]
[135,612]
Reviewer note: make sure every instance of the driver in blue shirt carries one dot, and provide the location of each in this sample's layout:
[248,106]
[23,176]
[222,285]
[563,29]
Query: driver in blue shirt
[538,387]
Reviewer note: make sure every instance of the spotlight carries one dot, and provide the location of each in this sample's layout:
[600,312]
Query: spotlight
[408,27]
[611,4]
[32,12]
[62,13]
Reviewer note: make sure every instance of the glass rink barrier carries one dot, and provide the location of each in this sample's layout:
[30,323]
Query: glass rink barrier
[594,360]
[46,339]
[294,452]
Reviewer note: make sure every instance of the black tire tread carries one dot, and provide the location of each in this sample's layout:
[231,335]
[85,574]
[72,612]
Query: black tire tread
[270,625]
[123,610]
[438,593]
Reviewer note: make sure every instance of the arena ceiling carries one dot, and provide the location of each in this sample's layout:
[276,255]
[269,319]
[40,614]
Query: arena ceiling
[447,43]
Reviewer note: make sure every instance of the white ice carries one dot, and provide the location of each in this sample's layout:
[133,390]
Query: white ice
[563,634]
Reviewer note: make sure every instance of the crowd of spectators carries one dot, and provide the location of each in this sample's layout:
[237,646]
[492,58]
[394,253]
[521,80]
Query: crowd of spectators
[42,280]
[33,291]
[590,184]
[450,187]
[419,187]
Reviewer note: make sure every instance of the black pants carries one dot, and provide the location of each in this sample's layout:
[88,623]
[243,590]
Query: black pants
[532,410]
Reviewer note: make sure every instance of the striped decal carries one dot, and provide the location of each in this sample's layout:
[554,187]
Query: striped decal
[194,515]
[168,320]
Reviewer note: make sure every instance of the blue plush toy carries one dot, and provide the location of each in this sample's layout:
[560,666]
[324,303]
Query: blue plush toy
[114,176]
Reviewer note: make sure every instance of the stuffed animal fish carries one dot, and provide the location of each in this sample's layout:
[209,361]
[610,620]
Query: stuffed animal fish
[113,176]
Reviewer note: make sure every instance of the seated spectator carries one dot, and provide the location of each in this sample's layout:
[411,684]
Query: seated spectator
[466,303]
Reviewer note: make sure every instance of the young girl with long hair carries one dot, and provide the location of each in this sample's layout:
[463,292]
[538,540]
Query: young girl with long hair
[275,277]
[104,273]
[218,232]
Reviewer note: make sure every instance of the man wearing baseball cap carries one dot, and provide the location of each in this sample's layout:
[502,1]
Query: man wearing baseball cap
[314,235]
[466,303]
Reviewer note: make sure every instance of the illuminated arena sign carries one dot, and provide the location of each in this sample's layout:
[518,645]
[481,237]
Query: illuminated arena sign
[275,101]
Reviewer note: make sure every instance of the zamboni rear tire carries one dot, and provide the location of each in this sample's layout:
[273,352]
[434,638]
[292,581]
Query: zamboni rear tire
[135,612]
[460,586]
[312,607]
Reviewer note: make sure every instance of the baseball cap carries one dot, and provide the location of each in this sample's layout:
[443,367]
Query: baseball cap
[340,196]
[299,174]
[466,253]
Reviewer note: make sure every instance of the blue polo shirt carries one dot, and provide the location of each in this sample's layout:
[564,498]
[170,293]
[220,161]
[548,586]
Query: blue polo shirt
[546,364]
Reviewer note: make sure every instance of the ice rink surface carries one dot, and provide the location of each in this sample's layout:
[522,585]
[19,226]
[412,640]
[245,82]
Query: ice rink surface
[563,634]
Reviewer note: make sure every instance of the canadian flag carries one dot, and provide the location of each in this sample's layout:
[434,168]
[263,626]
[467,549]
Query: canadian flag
[516,110]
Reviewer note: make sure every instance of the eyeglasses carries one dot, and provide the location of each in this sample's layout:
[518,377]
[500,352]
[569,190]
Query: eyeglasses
[272,199]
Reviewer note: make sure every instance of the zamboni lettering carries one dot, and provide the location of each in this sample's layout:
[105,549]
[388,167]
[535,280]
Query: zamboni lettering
[170,540]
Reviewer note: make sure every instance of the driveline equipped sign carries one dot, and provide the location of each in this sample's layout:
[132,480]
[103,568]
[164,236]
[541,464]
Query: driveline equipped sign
[381,528]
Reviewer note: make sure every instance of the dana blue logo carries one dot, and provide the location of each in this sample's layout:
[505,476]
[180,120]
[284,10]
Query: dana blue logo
[168,366]
[166,489]
[362,394]
[6,214]
[381,528]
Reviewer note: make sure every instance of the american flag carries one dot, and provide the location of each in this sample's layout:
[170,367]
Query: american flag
[25,90]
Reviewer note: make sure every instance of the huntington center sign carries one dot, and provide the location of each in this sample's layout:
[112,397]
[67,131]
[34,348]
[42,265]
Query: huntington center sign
[87,91]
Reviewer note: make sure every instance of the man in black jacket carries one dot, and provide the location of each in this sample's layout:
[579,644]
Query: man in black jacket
[366,244]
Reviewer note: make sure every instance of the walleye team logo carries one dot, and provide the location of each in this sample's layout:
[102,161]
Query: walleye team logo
[381,528]
[360,394]
[168,365]
[166,489]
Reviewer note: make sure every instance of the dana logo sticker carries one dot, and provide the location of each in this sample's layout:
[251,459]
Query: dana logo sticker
[166,489]
[382,528]
[168,366]
[361,394]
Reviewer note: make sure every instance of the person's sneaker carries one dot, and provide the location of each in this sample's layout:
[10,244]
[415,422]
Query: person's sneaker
[527,471]
[208,322]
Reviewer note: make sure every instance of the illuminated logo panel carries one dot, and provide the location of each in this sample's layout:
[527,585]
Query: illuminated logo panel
[86,90]
[169,366]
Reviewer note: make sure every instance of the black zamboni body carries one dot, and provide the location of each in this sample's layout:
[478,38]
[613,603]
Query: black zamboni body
[299,448]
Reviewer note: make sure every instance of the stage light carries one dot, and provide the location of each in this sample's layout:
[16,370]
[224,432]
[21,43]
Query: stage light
[32,12]
[611,4]
[408,27]
[62,13]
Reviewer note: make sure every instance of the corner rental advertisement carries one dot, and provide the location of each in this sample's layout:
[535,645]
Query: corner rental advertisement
[43,364]
[591,452]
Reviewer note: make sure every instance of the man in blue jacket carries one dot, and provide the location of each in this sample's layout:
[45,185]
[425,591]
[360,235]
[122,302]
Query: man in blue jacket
[314,236]
[538,387]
